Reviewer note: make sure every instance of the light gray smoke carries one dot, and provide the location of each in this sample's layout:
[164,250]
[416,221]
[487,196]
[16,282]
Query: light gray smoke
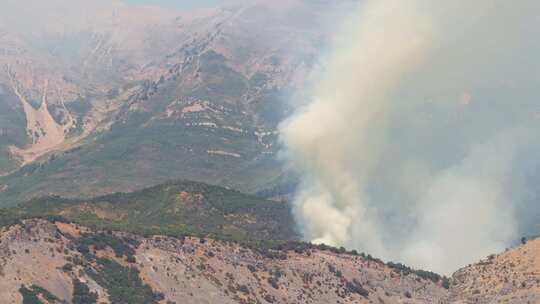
[414,127]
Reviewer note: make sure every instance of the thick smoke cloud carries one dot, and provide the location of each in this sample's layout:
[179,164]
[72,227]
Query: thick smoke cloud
[416,139]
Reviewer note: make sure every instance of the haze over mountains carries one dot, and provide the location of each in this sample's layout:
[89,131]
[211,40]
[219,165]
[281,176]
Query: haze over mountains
[94,94]
[145,136]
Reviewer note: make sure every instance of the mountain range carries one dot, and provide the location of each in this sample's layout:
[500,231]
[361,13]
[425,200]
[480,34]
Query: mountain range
[140,161]
[103,96]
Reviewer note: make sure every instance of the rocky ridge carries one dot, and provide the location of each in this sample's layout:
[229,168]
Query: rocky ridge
[57,262]
[40,255]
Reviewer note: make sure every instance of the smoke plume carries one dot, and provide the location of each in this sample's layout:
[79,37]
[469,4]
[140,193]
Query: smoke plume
[411,136]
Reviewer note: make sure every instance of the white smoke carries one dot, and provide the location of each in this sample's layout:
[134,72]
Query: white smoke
[391,60]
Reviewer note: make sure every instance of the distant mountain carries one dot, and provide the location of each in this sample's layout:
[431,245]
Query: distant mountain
[129,96]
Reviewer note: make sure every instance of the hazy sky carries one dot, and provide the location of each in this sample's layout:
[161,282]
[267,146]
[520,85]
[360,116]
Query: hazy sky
[182,4]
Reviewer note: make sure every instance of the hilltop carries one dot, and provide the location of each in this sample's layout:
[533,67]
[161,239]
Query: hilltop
[175,208]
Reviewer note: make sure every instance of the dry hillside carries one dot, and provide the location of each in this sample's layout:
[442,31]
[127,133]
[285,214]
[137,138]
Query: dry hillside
[509,277]
[57,263]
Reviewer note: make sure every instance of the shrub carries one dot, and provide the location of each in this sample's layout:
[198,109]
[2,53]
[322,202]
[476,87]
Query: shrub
[32,295]
[405,270]
[446,283]
[82,294]
[356,287]
[121,246]
[273,282]
[243,289]
[122,283]
[268,298]
[68,267]
[29,296]
[131,259]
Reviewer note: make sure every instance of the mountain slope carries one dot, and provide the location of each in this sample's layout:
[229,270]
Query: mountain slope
[59,261]
[509,277]
[203,105]
[175,208]
[60,67]
[197,243]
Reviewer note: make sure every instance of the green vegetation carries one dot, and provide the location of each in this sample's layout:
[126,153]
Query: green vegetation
[426,275]
[179,209]
[31,295]
[9,217]
[122,283]
[82,294]
[121,246]
[12,128]
[174,209]
[220,81]
[149,148]
[356,287]
[143,151]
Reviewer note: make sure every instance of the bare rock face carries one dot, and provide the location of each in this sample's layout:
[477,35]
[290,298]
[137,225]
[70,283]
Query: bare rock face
[46,259]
